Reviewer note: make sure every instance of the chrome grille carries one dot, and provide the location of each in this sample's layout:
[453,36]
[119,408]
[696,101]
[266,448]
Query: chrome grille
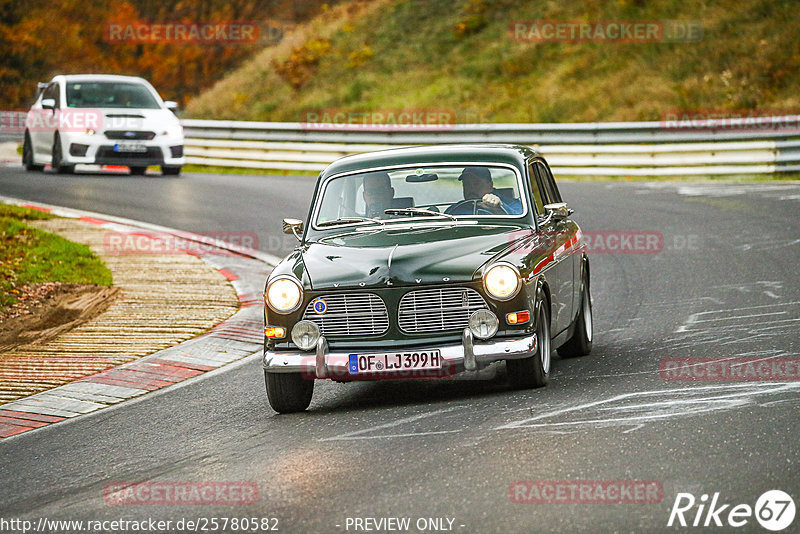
[438,310]
[350,314]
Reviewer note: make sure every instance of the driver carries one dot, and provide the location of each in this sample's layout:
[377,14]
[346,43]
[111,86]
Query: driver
[378,193]
[477,184]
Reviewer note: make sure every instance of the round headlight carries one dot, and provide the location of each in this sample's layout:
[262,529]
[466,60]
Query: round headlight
[305,335]
[284,295]
[483,324]
[501,282]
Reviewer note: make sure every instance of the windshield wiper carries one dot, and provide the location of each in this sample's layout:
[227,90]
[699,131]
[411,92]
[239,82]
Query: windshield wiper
[348,220]
[418,212]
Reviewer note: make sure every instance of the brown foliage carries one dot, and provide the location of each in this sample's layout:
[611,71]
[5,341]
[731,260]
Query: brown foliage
[40,39]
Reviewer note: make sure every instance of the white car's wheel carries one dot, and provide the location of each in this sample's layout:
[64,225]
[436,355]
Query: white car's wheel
[28,155]
[58,158]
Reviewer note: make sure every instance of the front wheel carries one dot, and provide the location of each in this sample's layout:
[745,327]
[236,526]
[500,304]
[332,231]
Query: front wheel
[170,171]
[533,371]
[58,158]
[138,171]
[27,155]
[580,344]
[288,392]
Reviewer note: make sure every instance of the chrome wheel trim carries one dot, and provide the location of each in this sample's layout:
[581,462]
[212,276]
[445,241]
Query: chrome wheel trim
[587,315]
[544,345]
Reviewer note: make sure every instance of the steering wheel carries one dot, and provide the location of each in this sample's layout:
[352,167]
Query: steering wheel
[475,209]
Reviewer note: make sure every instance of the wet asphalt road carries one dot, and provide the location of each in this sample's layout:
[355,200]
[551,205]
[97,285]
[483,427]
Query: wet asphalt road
[724,285]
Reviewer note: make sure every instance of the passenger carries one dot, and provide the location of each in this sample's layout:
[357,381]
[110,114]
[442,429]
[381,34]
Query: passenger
[378,193]
[477,184]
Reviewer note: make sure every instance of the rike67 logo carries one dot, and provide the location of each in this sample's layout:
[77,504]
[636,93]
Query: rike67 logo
[774,510]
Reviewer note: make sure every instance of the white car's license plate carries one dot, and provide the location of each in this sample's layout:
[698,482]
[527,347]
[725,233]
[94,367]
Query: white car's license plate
[388,362]
[130,147]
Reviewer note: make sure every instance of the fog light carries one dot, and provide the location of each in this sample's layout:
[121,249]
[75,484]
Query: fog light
[275,332]
[483,324]
[176,151]
[519,317]
[78,150]
[305,335]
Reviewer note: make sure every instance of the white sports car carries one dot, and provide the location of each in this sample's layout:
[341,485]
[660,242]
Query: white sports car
[102,120]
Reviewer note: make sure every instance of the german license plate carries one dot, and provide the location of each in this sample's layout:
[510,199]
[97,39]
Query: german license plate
[388,362]
[130,147]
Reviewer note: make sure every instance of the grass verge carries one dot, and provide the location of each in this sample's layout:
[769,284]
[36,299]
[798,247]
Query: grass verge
[31,256]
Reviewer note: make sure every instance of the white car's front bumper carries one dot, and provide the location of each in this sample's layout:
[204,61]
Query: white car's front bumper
[97,149]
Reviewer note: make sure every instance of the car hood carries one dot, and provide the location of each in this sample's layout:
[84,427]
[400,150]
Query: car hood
[396,257]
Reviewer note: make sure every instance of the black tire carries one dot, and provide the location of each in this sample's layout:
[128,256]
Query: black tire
[288,392]
[580,344]
[27,155]
[57,165]
[534,371]
[138,171]
[170,171]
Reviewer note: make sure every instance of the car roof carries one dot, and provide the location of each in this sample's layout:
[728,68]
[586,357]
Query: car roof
[99,78]
[456,153]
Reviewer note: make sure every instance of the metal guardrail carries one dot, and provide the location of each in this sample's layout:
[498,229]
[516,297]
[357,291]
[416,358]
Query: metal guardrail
[751,146]
[766,145]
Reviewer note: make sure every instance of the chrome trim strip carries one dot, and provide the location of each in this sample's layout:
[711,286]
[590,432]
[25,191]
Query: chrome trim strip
[470,363]
[321,367]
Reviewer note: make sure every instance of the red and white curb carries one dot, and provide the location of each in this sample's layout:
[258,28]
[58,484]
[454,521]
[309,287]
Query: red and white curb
[234,339]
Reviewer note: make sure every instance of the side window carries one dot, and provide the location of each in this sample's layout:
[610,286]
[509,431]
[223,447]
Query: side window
[49,92]
[57,95]
[537,194]
[547,184]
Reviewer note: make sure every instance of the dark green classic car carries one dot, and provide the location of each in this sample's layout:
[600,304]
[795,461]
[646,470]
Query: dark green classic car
[427,262]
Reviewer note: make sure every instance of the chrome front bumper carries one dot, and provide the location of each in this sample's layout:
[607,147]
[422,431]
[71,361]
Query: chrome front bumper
[469,355]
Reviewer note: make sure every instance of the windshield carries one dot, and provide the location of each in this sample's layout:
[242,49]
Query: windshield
[447,191]
[110,95]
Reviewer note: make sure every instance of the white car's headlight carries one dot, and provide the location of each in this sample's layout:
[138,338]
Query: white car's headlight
[501,282]
[284,295]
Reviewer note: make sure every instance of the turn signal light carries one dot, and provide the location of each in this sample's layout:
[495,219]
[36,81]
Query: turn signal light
[275,332]
[519,317]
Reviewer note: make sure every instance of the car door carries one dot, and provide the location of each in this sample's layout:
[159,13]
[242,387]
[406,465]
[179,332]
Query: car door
[559,272]
[42,126]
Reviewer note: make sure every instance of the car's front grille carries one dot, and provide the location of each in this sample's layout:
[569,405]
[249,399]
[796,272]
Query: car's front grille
[129,135]
[349,314]
[107,153]
[438,310]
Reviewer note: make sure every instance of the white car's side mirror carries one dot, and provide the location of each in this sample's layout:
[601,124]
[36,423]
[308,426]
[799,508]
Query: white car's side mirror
[171,105]
[48,103]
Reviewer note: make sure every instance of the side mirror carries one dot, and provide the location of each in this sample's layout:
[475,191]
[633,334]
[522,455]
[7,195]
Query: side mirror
[293,226]
[558,210]
[48,103]
[171,105]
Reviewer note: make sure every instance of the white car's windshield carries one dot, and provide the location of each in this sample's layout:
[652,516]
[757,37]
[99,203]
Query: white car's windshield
[109,95]
[452,191]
